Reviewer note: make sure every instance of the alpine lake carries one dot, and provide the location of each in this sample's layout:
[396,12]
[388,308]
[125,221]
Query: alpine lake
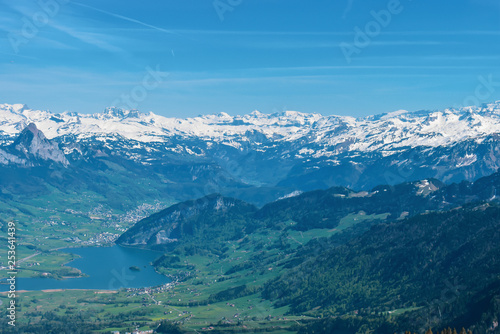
[105,268]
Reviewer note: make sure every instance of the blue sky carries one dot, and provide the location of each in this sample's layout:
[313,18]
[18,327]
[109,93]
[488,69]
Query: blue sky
[245,55]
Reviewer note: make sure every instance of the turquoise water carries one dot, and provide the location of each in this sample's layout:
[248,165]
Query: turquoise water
[108,268]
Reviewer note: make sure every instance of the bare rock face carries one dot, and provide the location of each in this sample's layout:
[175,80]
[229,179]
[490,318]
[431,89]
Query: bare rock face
[7,158]
[31,144]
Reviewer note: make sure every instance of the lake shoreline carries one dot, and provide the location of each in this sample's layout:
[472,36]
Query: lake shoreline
[97,291]
[101,268]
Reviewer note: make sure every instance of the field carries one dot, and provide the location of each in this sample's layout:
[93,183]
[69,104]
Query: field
[211,291]
[43,228]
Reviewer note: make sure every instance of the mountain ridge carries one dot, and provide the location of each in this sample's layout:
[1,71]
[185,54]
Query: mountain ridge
[416,257]
[207,218]
[366,134]
[282,152]
[316,209]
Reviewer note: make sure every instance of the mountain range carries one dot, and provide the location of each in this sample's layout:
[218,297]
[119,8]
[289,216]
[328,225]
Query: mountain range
[320,209]
[288,151]
[325,216]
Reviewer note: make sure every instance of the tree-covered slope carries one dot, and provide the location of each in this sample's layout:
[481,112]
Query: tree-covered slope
[201,223]
[397,265]
[422,247]
[229,217]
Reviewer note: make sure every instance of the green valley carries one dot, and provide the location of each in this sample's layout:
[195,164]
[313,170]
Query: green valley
[358,262]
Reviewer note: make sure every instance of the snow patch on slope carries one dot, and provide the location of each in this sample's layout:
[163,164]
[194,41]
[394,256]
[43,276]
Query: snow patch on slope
[327,135]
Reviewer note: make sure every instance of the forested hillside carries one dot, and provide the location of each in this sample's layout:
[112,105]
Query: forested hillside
[413,256]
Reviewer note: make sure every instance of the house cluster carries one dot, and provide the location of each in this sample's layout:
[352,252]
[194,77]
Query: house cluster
[135,332]
[150,290]
[102,238]
[74,240]
[33,264]
[141,212]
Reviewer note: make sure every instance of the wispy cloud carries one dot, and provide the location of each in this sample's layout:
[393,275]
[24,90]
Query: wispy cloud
[9,24]
[364,67]
[305,43]
[126,18]
[403,43]
[459,57]
[263,32]
[443,32]
[90,38]
[331,33]
[15,55]
[289,79]
[347,8]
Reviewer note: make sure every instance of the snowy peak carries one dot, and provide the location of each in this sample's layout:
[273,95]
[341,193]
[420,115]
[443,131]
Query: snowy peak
[32,144]
[282,148]
[329,134]
[30,135]
[117,113]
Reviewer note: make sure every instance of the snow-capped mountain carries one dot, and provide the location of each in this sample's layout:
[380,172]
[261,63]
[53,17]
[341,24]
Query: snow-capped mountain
[334,133]
[31,143]
[291,150]
[154,128]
